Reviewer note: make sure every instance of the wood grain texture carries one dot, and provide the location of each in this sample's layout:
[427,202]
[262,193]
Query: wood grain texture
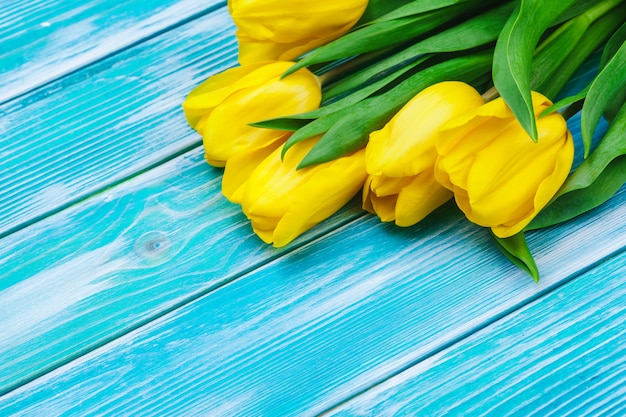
[106,122]
[90,273]
[42,40]
[132,272]
[563,355]
[318,325]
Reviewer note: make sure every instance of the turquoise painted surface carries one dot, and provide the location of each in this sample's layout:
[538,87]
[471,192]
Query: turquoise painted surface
[102,268]
[106,122]
[321,324]
[563,355]
[42,40]
[129,286]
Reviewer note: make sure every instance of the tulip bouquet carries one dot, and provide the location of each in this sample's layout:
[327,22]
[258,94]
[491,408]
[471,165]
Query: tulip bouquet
[413,103]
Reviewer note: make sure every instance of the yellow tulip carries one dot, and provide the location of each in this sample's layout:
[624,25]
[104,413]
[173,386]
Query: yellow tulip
[400,158]
[239,168]
[222,107]
[282,202]
[500,178]
[286,29]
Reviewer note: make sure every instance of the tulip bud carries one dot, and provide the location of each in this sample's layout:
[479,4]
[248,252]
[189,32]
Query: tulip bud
[286,29]
[282,202]
[400,157]
[239,168]
[500,177]
[222,107]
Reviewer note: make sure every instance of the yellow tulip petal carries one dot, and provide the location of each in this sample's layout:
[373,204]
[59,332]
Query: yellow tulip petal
[293,20]
[419,198]
[555,180]
[264,228]
[499,176]
[546,189]
[506,175]
[202,99]
[252,51]
[406,145]
[294,50]
[384,207]
[381,201]
[488,113]
[458,148]
[274,183]
[240,167]
[540,103]
[214,162]
[366,195]
[227,131]
[383,186]
[494,109]
[294,26]
[325,192]
[264,223]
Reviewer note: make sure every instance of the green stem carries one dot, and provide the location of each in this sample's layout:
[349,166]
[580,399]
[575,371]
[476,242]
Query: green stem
[551,79]
[594,37]
[339,71]
[597,11]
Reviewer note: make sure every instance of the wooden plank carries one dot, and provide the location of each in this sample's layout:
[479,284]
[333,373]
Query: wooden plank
[563,355]
[304,332]
[88,274]
[42,40]
[102,124]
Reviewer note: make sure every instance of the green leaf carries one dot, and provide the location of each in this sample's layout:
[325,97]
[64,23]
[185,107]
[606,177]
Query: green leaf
[599,31]
[315,127]
[351,132]
[566,102]
[469,34]
[516,250]
[378,8]
[282,123]
[553,52]
[579,201]
[579,7]
[297,121]
[595,36]
[610,147]
[605,87]
[417,7]
[613,45]
[305,123]
[514,52]
[380,35]
[593,182]
[365,92]
[611,48]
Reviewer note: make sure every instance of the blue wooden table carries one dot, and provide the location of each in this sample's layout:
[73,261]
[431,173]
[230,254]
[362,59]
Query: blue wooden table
[130,286]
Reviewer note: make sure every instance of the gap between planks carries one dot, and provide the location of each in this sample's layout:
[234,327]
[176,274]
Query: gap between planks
[552,239]
[213,8]
[424,386]
[309,238]
[77,201]
[102,168]
[197,175]
[140,172]
[458,341]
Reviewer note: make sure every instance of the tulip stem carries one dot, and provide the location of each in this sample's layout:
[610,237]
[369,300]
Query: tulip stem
[490,94]
[348,66]
[600,9]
